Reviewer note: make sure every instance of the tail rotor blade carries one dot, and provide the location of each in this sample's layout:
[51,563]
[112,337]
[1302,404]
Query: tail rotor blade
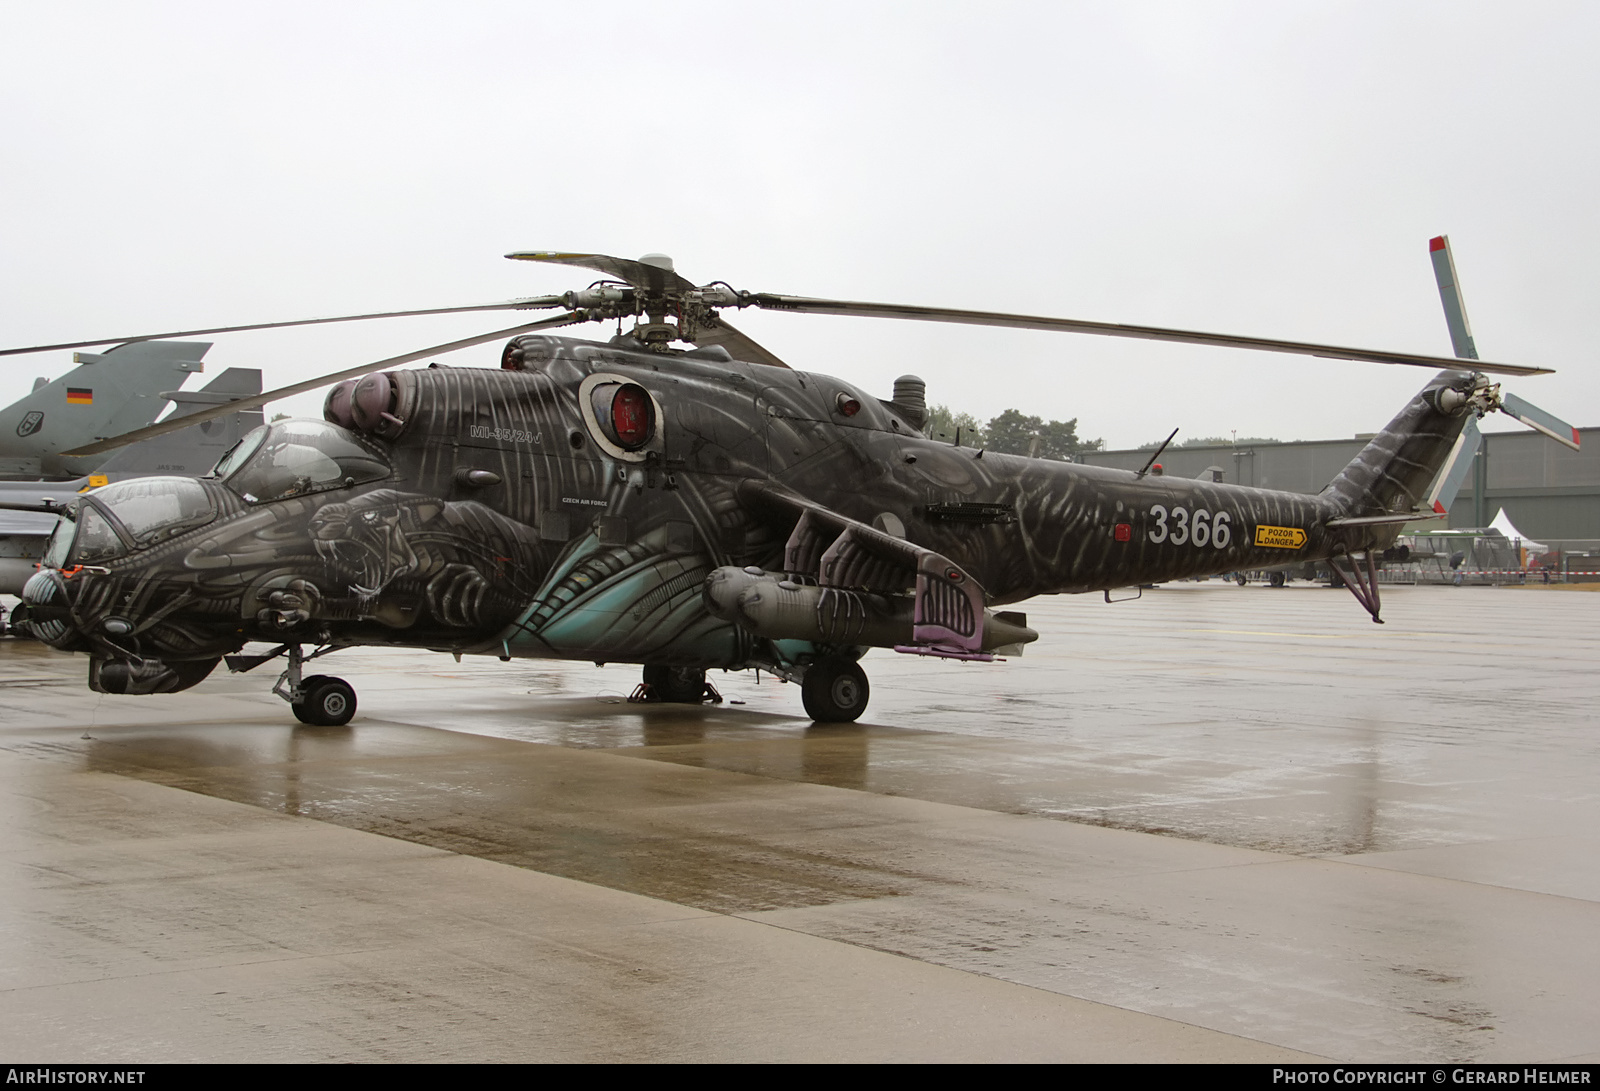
[1539,420]
[1454,471]
[1455,316]
[1455,310]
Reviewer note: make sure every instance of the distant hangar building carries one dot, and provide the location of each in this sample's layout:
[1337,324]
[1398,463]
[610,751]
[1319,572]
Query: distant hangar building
[1550,492]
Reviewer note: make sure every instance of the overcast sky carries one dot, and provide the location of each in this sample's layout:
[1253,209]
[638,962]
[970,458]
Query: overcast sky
[1272,169]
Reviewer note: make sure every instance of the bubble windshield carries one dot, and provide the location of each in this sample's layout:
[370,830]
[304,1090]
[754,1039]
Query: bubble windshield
[152,509]
[296,457]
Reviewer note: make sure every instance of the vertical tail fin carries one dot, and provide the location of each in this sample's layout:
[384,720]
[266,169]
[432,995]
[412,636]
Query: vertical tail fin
[105,395]
[1437,434]
[195,449]
[1391,473]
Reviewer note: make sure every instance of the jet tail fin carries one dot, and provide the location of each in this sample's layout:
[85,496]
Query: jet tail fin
[105,395]
[230,386]
[195,449]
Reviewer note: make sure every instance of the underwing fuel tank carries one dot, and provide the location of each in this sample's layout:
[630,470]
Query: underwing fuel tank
[770,605]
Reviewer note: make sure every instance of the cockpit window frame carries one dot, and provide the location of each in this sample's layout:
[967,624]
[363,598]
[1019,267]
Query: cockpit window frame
[203,510]
[258,435]
[67,528]
[87,511]
[238,478]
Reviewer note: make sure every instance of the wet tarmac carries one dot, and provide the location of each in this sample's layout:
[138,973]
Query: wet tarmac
[1216,823]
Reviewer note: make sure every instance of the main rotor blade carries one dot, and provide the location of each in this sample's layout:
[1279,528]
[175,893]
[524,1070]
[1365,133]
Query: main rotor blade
[258,400]
[532,303]
[645,277]
[805,305]
[741,346]
[1540,420]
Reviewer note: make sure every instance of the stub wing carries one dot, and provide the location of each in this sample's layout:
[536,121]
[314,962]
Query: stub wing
[839,552]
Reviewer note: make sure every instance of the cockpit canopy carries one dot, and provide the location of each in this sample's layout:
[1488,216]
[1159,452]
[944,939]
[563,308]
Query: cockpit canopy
[130,515]
[274,462]
[297,457]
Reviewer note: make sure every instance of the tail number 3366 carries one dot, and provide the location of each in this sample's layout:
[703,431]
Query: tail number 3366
[1204,529]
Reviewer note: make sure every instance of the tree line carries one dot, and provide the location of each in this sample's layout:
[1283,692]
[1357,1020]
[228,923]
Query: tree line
[1011,433]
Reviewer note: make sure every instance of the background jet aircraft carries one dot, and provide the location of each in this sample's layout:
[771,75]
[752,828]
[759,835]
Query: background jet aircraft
[105,395]
[123,385]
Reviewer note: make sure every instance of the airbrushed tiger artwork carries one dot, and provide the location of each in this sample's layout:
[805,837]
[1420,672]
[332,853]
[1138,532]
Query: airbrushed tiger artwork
[684,509]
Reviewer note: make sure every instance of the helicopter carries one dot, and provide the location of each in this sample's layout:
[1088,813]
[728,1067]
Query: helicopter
[676,497]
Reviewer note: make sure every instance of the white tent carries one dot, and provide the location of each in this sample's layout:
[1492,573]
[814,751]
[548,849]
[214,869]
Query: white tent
[1503,524]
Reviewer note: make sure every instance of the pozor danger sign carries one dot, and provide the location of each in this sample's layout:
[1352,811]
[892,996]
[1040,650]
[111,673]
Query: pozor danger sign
[1280,537]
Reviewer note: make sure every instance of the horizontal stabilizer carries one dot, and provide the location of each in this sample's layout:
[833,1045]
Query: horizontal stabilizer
[1540,421]
[230,386]
[1392,518]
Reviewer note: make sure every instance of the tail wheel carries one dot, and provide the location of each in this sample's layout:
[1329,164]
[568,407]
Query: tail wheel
[681,685]
[329,702]
[835,691]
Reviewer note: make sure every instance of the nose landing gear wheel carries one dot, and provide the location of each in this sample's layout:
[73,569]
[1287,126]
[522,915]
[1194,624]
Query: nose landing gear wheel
[835,691]
[329,702]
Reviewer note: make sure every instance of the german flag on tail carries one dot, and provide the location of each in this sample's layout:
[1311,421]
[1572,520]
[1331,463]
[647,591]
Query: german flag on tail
[80,395]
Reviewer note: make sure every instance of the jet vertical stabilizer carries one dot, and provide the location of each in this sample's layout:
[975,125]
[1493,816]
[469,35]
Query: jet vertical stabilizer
[105,395]
[195,449]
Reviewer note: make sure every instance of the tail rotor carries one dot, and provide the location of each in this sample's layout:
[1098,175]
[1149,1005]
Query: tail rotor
[1486,397]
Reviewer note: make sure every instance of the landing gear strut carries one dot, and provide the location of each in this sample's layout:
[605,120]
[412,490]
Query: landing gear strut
[321,700]
[835,691]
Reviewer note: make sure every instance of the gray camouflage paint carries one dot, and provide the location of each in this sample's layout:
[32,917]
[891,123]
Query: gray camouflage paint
[579,550]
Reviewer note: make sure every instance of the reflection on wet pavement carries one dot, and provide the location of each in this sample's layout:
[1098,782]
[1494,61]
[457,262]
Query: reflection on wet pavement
[1372,842]
[1242,716]
[625,824]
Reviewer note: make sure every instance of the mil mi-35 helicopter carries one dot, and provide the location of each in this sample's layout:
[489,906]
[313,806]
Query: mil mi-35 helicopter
[679,508]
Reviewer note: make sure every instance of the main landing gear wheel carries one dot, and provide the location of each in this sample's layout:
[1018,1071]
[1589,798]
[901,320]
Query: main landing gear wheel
[679,685]
[1275,579]
[835,691]
[329,702]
